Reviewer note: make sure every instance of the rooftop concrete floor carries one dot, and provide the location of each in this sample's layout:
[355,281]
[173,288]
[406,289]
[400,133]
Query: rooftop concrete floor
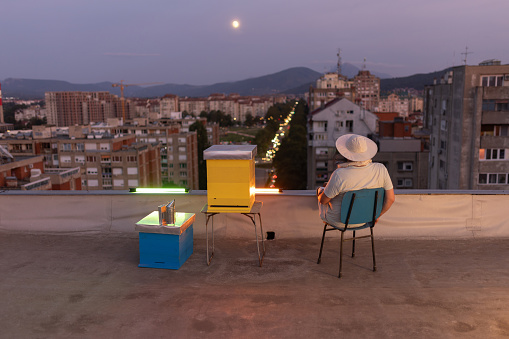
[67,286]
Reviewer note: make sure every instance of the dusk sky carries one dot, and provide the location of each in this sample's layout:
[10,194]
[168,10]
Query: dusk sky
[194,41]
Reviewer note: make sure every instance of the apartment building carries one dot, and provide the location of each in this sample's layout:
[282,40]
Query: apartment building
[179,147]
[233,104]
[142,108]
[28,173]
[111,162]
[394,103]
[168,103]
[338,117]
[106,161]
[415,104]
[212,128]
[179,165]
[328,87]
[396,128]
[404,155]
[80,108]
[194,105]
[467,112]
[367,90]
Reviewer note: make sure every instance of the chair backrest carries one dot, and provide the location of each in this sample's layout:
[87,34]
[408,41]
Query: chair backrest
[364,205]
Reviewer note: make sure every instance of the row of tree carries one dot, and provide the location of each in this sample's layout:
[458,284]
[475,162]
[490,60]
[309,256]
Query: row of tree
[273,118]
[290,162]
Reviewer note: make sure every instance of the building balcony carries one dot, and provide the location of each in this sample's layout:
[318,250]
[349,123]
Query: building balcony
[495,118]
[69,263]
[42,184]
[490,141]
[495,92]
[320,143]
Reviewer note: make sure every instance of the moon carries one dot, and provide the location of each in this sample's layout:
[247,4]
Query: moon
[235,24]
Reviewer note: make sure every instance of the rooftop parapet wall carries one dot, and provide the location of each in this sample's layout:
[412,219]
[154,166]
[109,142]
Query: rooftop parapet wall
[292,214]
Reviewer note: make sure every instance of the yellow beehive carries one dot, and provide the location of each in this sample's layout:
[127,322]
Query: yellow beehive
[230,178]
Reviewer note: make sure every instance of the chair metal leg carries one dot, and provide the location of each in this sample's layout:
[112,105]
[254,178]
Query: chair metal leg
[341,255]
[353,245]
[260,257]
[373,248]
[321,246]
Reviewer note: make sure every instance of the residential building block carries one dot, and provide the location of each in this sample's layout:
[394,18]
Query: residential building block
[467,112]
[338,117]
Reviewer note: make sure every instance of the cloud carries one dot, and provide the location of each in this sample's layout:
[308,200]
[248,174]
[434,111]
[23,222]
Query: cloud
[132,54]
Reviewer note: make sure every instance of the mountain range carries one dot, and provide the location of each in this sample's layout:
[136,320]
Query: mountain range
[290,81]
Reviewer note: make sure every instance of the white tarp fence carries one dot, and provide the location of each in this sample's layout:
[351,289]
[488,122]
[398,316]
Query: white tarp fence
[289,216]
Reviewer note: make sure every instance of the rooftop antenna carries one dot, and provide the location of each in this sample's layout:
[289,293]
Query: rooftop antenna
[466,53]
[339,61]
[364,65]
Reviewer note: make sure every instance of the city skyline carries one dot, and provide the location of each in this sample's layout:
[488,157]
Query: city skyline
[195,42]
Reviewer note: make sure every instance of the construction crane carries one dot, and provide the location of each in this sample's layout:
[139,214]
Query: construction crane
[122,100]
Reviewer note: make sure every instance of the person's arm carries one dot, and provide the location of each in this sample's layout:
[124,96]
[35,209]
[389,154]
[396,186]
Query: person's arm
[323,199]
[388,201]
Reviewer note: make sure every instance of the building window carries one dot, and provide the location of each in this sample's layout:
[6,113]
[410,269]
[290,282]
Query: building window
[118,183]
[183,165]
[349,125]
[132,171]
[79,159]
[116,158]
[66,147]
[132,158]
[91,158]
[492,80]
[404,182]
[492,178]
[183,174]
[92,170]
[492,154]
[501,131]
[320,136]
[66,159]
[322,151]
[495,105]
[321,165]
[405,166]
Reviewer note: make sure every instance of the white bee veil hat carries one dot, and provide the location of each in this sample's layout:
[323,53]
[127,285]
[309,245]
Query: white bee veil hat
[356,147]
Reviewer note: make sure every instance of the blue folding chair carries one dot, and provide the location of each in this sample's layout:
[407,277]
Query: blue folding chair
[357,207]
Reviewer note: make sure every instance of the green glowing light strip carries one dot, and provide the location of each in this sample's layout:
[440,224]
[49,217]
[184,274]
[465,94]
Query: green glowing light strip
[158,190]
